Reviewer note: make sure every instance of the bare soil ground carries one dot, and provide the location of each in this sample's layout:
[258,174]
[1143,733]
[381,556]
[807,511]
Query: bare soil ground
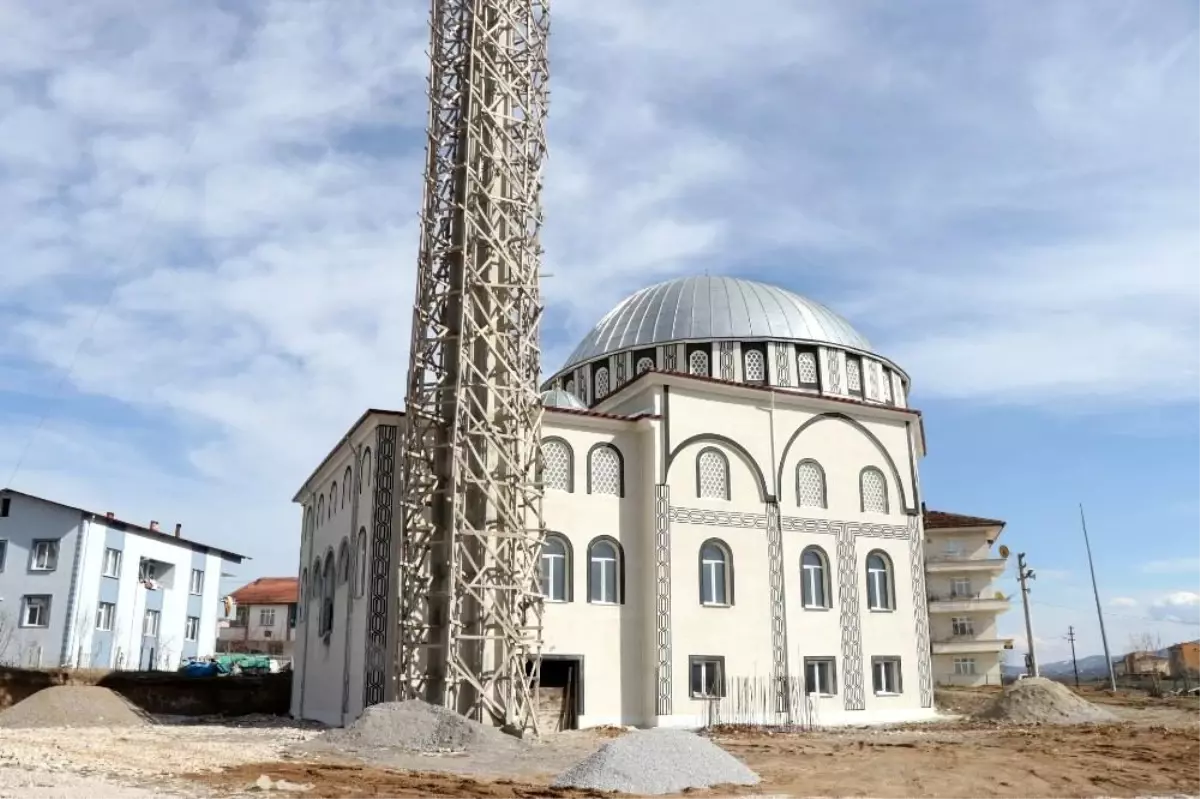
[1155,752]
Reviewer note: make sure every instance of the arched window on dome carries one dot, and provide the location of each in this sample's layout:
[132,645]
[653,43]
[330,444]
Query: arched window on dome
[854,382]
[558,465]
[754,365]
[712,474]
[810,485]
[644,365]
[698,363]
[806,368]
[873,492]
[602,382]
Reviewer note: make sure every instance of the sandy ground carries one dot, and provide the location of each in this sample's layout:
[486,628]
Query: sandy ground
[1156,752]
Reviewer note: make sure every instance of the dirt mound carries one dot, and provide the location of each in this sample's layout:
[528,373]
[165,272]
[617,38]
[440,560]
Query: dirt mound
[74,706]
[1037,700]
[414,726]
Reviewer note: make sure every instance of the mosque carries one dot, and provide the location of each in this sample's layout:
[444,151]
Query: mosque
[736,530]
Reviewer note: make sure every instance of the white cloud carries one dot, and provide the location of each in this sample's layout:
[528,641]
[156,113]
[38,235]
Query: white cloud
[1123,602]
[1180,606]
[1181,565]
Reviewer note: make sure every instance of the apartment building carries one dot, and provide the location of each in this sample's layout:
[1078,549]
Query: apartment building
[962,567]
[262,617]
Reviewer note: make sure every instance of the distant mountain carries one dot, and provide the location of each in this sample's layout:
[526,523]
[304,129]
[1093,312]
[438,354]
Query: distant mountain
[1090,667]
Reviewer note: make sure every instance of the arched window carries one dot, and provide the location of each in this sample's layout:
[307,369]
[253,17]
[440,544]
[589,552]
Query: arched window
[303,595]
[806,367]
[346,485]
[332,498]
[604,471]
[365,472]
[698,363]
[644,365]
[712,474]
[570,388]
[716,574]
[316,590]
[814,579]
[879,582]
[361,558]
[872,488]
[320,509]
[558,465]
[754,367]
[853,375]
[554,569]
[810,485]
[606,583]
[328,585]
[343,562]
[306,526]
[601,382]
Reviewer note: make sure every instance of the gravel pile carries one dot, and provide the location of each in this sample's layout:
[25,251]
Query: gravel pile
[415,726]
[74,706]
[1037,700]
[657,761]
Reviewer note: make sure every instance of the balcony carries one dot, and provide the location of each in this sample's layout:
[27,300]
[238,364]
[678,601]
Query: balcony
[941,564]
[967,644]
[967,603]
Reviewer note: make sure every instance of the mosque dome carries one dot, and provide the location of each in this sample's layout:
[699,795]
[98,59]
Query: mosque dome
[557,398]
[704,308]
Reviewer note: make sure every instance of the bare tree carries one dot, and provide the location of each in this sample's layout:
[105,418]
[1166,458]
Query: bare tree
[1150,644]
[8,634]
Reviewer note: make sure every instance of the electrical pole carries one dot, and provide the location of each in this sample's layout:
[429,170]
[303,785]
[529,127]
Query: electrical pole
[1112,678]
[1074,662]
[1024,574]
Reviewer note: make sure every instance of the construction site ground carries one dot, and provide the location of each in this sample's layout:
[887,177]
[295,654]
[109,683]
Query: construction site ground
[1155,752]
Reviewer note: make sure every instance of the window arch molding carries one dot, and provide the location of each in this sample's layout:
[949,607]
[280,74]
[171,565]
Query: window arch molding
[873,473]
[714,456]
[360,563]
[881,584]
[320,509]
[729,445]
[716,582]
[314,587]
[816,589]
[300,614]
[364,471]
[347,485]
[333,496]
[567,594]
[343,561]
[570,453]
[604,445]
[601,548]
[818,489]
[328,587]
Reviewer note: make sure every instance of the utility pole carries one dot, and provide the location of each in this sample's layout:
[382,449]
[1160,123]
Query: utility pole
[1024,574]
[1074,662]
[1112,677]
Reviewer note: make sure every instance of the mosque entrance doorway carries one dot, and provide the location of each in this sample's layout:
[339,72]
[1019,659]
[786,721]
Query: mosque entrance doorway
[560,693]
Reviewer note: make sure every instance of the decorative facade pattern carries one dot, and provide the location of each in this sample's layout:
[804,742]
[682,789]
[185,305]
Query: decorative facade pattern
[755,367]
[810,485]
[853,376]
[779,649]
[662,598]
[835,372]
[916,556]
[872,380]
[556,465]
[783,364]
[376,668]
[718,518]
[670,357]
[874,491]
[712,475]
[622,372]
[602,386]
[605,471]
[644,365]
[850,610]
[698,363]
[726,351]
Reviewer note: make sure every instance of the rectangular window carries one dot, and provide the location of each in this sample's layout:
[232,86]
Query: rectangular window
[266,617]
[43,556]
[112,562]
[707,676]
[3,554]
[293,609]
[241,617]
[885,675]
[191,630]
[5,504]
[960,587]
[964,666]
[952,548]
[150,624]
[105,614]
[962,625]
[196,584]
[820,676]
[147,570]
[35,610]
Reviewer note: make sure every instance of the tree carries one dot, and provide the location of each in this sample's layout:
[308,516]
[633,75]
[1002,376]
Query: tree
[1150,644]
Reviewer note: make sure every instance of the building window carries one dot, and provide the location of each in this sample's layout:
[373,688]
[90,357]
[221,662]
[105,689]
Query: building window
[191,628]
[35,610]
[112,562]
[644,365]
[555,569]
[196,582]
[328,586]
[320,509]
[3,554]
[854,375]
[43,556]
[814,583]
[105,613]
[960,588]
[604,470]
[806,369]
[964,667]
[885,675]
[5,505]
[604,572]
[716,567]
[343,562]
[303,589]
[333,499]
[698,363]
[962,625]
[712,474]
[365,472]
[872,491]
[810,485]
[602,382]
[147,570]
[754,366]
[266,617]
[558,463]
[888,395]
[707,674]
[150,624]
[820,676]
[879,582]
[361,585]
[347,480]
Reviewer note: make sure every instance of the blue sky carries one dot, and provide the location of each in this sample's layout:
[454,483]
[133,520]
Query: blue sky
[209,239]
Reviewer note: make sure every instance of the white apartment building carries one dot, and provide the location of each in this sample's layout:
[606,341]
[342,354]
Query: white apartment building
[262,618]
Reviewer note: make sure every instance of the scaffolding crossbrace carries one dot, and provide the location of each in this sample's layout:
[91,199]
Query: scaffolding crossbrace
[469,610]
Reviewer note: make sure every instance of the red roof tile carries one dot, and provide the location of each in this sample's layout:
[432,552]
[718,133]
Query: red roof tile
[941,520]
[268,591]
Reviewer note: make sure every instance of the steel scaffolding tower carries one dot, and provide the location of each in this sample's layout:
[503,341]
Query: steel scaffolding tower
[469,611]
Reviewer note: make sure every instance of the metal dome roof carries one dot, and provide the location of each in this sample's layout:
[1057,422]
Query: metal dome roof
[561,399]
[699,308]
